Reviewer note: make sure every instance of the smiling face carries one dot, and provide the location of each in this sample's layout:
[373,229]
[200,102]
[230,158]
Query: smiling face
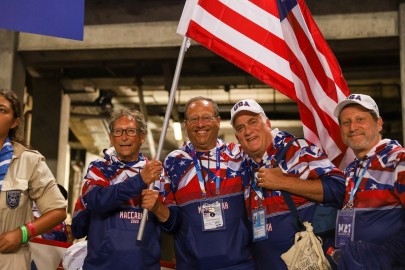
[202,133]
[127,147]
[359,130]
[7,120]
[253,134]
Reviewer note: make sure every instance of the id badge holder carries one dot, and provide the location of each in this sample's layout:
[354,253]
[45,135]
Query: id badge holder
[344,226]
[259,224]
[212,215]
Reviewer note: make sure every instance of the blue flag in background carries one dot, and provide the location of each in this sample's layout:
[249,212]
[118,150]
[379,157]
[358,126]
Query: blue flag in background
[59,18]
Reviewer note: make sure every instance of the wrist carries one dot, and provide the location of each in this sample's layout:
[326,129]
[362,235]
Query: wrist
[24,232]
[155,208]
[31,229]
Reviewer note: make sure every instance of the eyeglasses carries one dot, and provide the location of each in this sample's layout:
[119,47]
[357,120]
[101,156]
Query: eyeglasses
[205,119]
[129,131]
[253,122]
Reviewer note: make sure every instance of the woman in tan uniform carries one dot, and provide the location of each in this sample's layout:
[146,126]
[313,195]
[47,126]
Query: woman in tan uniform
[24,178]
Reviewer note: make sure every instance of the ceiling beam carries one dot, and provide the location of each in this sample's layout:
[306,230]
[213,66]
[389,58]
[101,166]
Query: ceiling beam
[163,34]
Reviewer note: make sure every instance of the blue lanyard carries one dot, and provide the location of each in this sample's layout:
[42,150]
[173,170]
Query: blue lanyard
[357,183]
[217,177]
[258,191]
[217,170]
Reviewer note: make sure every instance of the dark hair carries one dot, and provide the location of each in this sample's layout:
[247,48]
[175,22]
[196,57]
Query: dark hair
[16,106]
[214,104]
[134,115]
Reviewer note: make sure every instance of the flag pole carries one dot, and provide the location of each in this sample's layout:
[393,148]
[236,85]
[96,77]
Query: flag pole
[169,107]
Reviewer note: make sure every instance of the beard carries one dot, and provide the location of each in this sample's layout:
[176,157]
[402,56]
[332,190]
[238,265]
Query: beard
[366,143]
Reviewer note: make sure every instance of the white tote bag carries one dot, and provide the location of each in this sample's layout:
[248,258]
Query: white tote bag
[306,253]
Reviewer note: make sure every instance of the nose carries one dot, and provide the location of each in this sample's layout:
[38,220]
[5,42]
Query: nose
[124,136]
[200,122]
[353,125]
[248,129]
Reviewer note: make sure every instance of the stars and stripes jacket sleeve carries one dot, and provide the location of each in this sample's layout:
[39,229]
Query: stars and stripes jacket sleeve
[168,197]
[307,161]
[100,196]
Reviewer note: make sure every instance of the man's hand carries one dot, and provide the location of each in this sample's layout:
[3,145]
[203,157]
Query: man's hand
[270,178]
[150,199]
[152,171]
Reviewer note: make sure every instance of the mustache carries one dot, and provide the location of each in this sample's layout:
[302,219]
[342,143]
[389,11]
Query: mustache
[355,133]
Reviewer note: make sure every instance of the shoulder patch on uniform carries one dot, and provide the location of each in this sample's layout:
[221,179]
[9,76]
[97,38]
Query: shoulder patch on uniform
[13,198]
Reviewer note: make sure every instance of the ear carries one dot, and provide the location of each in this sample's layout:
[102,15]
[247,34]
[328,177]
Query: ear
[111,139]
[268,124]
[236,136]
[143,138]
[16,123]
[380,124]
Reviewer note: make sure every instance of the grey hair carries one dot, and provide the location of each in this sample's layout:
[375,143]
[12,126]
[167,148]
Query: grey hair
[264,117]
[133,115]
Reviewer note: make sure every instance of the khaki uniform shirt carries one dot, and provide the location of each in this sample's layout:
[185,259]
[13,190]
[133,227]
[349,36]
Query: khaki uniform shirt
[28,179]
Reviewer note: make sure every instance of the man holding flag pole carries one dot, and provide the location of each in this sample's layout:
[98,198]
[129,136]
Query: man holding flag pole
[203,204]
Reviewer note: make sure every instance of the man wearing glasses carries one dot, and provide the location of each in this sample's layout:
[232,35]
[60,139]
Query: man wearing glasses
[305,172]
[203,204]
[109,210]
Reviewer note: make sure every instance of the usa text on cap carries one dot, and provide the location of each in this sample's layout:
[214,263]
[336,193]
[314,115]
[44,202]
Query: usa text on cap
[363,100]
[245,105]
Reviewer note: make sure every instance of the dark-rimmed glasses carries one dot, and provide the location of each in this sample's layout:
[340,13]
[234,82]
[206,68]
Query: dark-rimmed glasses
[117,132]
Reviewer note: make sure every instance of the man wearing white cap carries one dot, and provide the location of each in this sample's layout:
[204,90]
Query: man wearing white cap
[305,172]
[374,207]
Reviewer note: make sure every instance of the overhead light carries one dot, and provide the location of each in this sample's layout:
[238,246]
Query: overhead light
[177,131]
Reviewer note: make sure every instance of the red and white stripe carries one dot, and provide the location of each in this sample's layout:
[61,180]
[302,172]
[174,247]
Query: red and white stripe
[290,55]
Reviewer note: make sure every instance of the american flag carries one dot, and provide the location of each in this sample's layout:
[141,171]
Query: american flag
[278,42]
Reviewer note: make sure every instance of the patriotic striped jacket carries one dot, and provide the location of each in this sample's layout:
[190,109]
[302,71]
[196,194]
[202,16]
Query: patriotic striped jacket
[379,205]
[195,248]
[303,160]
[108,212]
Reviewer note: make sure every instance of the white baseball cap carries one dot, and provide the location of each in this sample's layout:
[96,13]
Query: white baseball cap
[245,105]
[363,100]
